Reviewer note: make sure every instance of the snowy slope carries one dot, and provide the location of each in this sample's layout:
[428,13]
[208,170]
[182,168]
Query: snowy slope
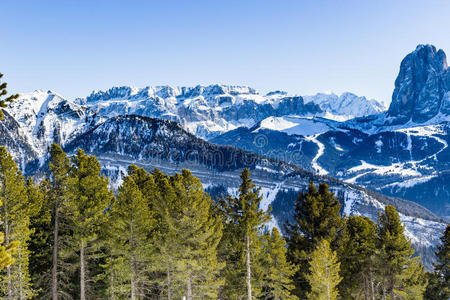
[295,125]
[346,105]
[211,110]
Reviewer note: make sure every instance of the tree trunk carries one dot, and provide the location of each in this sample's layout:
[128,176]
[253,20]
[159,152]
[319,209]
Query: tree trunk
[7,241]
[328,283]
[189,288]
[21,277]
[372,290]
[55,256]
[366,288]
[111,282]
[82,272]
[249,284]
[169,292]
[133,280]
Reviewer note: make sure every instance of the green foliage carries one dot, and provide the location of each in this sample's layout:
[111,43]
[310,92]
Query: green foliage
[129,223]
[439,281]
[278,272]
[358,257]
[41,258]
[17,210]
[316,218]
[6,252]
[400,274]
[89,197]
[63,280]
[163,236]
[242,219]
[323,274]
[197,232]
[5,101]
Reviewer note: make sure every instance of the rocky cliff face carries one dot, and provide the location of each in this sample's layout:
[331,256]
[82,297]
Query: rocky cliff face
[203,110]
[347,105]
[208,111]
[421,88]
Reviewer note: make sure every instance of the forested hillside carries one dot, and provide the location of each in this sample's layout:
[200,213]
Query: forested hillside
[162,236]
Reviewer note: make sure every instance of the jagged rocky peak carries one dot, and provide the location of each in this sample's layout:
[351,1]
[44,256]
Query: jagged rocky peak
[346,104]
[166,91]
[421,88]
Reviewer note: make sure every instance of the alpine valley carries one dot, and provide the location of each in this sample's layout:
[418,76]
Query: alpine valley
[368,155]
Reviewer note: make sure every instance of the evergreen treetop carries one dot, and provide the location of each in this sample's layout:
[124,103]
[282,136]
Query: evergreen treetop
[5,101]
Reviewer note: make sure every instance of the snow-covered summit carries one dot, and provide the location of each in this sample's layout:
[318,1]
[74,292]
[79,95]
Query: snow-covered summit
[346,105]
[47,117]
[214,109]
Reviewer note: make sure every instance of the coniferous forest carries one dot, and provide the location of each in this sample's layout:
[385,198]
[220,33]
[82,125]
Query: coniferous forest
[162,236]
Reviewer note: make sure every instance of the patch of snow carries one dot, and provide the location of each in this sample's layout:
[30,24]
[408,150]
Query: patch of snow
[378,145]
[314,164]
[295,125]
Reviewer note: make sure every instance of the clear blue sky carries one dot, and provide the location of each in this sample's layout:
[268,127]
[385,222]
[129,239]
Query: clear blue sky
[303,47]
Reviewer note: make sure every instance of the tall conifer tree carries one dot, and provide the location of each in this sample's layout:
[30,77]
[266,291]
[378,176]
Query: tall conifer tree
[165,203]
[41,238]
[244,222]
[359,259]
[89,198]
[323,274]
[58,196]
[316,217]
[197,232]
[16,212]
[129,223]
[278,272]
[401,274]
[439,285]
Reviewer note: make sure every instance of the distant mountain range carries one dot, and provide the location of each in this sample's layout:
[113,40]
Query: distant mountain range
[286,140]
[402,152]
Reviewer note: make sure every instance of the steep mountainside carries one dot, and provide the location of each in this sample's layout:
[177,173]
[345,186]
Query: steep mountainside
[210,110]
[129,125]
[421,88]
[150,143]
[346,106]
[402,152]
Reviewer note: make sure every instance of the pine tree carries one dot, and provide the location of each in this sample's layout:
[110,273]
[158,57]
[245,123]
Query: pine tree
[129,223]
[157,235]
[16,212]
[439,281]
[244,222]
[6,252]
[165,202]
[316,217]
[324,273]
[40,240]
[4,102]
[197,232]
[401,275]
[89,198]
[278,272]
[359,259]
[58,196]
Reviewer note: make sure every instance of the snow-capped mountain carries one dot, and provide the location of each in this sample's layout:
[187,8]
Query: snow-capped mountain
[208,111]
[421,88]
[203,110]
[402,152]
[127,125]
[346,106]
[151,143]
[148,142]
